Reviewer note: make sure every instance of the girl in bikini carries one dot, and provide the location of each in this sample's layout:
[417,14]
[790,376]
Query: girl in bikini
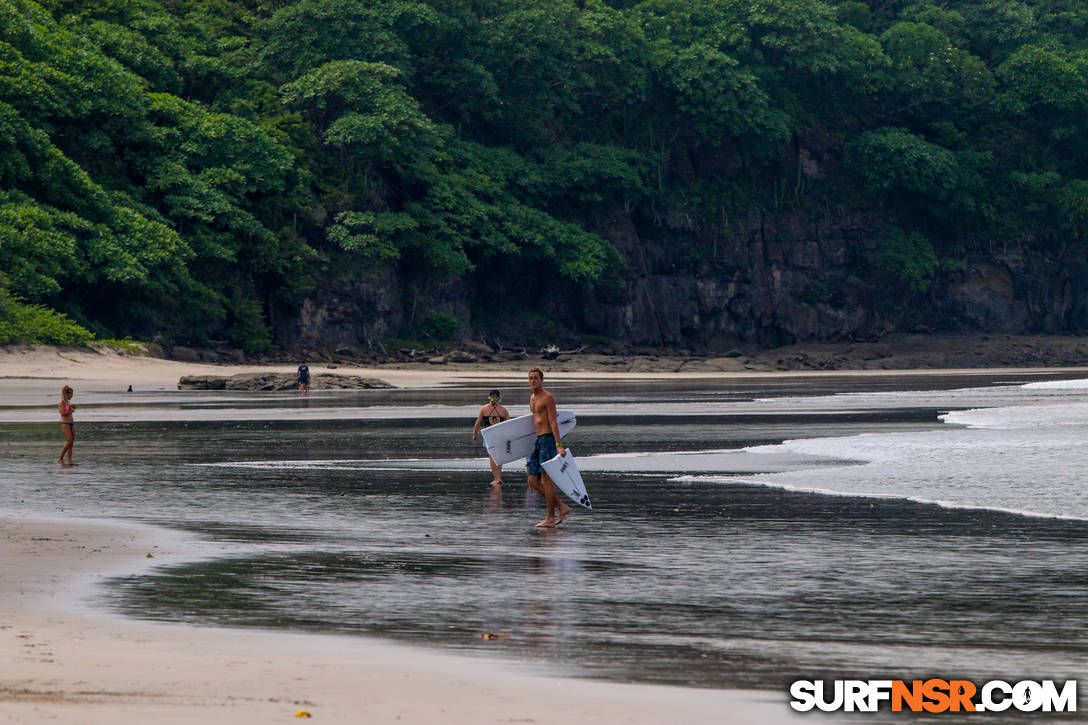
[491,414]
[67,424]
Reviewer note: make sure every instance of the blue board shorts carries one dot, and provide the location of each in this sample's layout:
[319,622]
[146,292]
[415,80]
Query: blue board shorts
[543,451]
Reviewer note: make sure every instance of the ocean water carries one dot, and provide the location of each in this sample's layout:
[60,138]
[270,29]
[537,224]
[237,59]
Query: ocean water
[742,535]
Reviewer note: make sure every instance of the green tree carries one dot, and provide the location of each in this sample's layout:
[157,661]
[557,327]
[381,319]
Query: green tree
[911,259]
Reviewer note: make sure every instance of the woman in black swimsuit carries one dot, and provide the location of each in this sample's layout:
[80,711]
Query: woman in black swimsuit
[491,414]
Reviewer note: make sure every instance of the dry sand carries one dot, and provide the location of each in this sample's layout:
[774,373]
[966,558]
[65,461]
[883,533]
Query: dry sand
[46,368]
[62,660]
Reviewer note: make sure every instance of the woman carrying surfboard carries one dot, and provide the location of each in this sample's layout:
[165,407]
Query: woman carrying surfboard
[491,414]
[548,445]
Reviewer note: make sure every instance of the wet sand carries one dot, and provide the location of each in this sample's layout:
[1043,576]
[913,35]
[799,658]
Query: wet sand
[65,662]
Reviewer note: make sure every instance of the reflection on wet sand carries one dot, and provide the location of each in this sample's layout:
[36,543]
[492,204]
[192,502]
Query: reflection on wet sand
[549,568]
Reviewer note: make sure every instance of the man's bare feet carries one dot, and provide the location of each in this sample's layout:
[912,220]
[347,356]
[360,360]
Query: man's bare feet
[545,524]
[496,482]
[563,511]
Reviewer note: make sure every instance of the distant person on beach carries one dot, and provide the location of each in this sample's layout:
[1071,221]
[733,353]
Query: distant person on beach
[542,406]
[491,414]
[303,378]
[67,424]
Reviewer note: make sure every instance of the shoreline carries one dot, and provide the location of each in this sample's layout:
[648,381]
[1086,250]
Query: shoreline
[43,368]
[67,662]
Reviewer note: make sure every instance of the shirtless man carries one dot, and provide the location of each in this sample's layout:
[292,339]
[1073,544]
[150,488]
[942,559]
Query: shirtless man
[542,406]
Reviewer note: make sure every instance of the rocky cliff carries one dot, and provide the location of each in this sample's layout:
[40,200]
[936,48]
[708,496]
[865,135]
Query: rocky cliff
[772,280]
[789,278]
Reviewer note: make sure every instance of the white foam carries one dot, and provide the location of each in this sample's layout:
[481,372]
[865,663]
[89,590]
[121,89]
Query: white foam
[1058,385]
[1021,416]
[1027,460]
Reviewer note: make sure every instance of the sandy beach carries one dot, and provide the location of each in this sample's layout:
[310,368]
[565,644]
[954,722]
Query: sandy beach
[65,660]
[26,370]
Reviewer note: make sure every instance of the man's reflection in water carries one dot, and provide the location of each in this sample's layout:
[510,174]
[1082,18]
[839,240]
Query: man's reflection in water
[549,624]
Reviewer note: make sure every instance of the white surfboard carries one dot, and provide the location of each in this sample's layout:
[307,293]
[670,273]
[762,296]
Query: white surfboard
[564,474]
[513,439]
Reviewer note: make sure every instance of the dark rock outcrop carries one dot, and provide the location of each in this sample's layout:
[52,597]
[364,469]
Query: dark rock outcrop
[346,311]
[278,381]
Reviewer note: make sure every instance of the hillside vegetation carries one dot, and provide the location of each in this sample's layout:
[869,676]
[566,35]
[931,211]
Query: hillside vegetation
[180,169]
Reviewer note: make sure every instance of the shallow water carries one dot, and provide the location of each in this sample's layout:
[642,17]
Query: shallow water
[741,536]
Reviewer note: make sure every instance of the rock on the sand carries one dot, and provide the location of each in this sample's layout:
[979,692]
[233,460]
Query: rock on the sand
[278,381]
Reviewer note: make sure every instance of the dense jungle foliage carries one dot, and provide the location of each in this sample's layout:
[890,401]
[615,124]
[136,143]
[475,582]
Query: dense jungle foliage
[177,167]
